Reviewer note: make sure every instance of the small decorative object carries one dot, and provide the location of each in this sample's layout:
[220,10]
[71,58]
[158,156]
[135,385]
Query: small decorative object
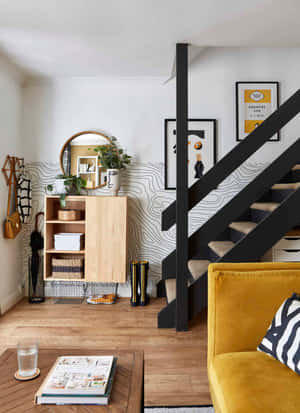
[202,155]
[112,158]
[36,292]
[68,215]
[113,181]
[27,351]
[255,102]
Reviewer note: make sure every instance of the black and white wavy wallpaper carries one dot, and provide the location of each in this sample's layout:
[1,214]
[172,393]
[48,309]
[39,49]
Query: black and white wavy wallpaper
[143,184]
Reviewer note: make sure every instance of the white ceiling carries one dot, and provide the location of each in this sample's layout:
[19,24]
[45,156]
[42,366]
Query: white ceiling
[135,37]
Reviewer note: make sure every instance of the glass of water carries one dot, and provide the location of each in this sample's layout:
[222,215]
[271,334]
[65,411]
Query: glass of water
[27,357]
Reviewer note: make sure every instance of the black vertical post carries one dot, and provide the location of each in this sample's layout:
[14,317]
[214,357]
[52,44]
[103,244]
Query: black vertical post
[181,186]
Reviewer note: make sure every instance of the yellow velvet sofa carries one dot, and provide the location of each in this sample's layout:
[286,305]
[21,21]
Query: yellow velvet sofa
[242,301]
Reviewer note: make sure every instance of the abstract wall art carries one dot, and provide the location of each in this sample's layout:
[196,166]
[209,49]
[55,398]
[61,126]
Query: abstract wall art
[202,151]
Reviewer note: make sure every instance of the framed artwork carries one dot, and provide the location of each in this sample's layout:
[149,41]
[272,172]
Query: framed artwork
[255,101]
[202,155]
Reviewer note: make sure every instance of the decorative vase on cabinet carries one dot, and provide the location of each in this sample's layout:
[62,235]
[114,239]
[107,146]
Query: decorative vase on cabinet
[113,181]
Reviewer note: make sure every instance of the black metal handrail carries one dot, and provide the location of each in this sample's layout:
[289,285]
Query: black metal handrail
[255,140]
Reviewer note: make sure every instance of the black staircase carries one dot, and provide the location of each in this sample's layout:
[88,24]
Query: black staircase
[245,228]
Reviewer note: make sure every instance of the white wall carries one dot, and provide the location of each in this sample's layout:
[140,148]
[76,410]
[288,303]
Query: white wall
[133,109]
[10,143]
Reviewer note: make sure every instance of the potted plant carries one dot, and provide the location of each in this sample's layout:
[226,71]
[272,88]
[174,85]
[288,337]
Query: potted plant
[113,159]
[72,185]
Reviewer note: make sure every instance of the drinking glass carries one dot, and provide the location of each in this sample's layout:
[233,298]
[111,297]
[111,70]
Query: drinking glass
[27,351]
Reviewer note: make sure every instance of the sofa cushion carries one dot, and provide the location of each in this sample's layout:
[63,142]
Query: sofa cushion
[282,340]
[243,298]
[252,382]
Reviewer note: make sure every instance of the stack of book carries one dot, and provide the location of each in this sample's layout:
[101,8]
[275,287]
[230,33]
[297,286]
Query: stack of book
[78,380]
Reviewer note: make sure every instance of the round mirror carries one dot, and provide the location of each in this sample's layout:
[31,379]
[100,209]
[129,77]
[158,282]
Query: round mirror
[78,157]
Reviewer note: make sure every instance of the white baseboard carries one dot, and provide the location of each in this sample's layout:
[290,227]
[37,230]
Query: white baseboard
[11,300]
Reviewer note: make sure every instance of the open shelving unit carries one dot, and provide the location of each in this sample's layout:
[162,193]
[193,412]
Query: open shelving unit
[54,226]
[103,221]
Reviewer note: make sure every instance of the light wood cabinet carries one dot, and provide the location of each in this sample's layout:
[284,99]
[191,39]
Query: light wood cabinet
[103,221]
[106,239]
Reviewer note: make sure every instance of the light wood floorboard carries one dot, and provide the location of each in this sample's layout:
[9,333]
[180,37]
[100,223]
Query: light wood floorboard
[175,363]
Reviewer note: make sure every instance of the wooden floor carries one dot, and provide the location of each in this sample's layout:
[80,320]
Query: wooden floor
[175,363]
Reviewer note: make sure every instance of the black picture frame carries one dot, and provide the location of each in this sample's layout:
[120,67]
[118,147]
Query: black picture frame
[237,114]
[166,121]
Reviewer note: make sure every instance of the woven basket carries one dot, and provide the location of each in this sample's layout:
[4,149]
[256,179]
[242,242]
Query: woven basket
[68,268]
[68,215]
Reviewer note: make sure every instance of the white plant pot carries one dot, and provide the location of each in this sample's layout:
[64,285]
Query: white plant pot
[59,186]
[113,181]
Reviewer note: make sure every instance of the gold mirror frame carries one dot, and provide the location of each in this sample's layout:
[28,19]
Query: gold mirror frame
[87,132]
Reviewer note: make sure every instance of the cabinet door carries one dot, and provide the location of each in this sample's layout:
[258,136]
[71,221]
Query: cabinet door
[106,239]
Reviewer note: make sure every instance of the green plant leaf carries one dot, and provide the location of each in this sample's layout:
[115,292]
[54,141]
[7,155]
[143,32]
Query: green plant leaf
[62,200]
[111,156]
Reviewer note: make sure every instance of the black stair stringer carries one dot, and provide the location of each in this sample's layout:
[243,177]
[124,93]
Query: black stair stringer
[198,296]
[166,316]
[210,230]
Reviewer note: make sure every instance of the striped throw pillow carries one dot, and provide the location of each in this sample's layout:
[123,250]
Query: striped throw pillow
[282,340]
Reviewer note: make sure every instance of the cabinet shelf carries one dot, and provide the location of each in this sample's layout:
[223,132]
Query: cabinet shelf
[53,251]
[57,221]
[50,278]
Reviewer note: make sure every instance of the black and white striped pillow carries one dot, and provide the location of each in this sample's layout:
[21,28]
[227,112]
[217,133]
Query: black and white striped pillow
[282,340]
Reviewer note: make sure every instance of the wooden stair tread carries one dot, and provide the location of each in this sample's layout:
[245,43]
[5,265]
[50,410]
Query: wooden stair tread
[198,267]
[265,206]
[294,185]
[243,226]
[170,285]
[221,247]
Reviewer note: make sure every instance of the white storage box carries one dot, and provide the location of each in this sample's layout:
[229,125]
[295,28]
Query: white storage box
[67,241]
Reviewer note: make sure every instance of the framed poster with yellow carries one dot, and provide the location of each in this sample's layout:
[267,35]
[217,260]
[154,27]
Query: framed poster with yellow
[255,101]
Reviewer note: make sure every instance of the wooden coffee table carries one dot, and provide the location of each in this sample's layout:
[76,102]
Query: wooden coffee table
[127,393]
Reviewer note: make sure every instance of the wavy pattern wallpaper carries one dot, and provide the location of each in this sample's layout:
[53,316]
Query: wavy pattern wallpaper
[143,184]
